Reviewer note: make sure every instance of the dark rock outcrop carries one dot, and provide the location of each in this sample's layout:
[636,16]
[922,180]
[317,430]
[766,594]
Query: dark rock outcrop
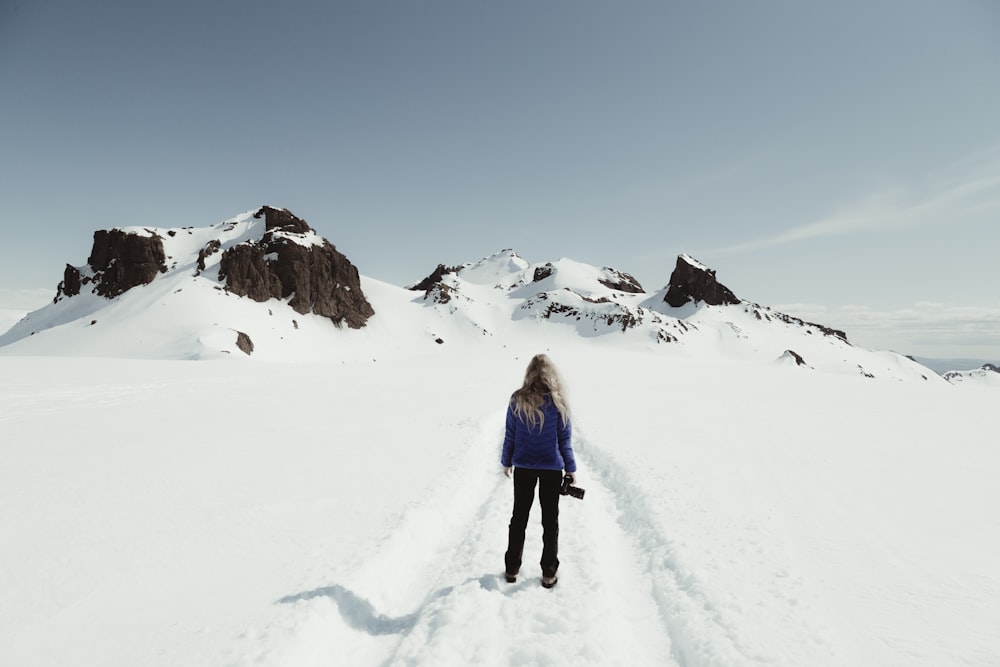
[287,262]
[692,281]
[765,313]
[283,220]
[542,272]
[244,343]
[121,260]
[799,361]
[70,285]
[210,249]
[621,281]
[435,277]
[439,293]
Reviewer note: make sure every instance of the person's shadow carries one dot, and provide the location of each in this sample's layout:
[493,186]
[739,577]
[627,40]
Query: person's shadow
[359,613]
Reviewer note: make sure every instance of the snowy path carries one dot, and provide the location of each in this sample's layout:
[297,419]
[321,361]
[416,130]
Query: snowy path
[618,602]
[783,534]
[601,612]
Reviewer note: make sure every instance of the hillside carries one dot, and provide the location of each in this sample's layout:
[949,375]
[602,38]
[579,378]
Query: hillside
[287,294]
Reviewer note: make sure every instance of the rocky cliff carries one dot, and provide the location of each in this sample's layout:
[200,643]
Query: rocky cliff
[118,261]
[286,259]
[290,261]
[693,281]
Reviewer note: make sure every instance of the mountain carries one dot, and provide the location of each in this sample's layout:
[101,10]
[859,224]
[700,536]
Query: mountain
[987,375]
[504,292]
[942,366]
[192,293]
[265,284]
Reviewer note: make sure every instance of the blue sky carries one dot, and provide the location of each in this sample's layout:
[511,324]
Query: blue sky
[838,160]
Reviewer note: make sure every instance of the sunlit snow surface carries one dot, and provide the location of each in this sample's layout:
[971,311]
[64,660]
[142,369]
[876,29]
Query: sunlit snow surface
[336,498]
[353,513]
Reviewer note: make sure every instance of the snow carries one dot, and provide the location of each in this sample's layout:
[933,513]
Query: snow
[568,274]
[353,512]
[493,269]
[187,314]
[695,263]
[336,498]
[309,239]
[980,377]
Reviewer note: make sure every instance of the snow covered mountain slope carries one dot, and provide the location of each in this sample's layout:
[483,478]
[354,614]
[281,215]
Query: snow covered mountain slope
[987,376]
[500,295]
[186,310]
[234,289]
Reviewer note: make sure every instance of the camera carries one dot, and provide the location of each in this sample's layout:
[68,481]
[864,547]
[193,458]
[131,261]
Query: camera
[570,490]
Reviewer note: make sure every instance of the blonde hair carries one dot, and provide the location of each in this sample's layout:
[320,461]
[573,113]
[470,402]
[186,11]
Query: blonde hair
[540,379]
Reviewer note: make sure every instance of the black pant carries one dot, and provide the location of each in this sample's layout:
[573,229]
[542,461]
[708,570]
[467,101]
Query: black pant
[549,482]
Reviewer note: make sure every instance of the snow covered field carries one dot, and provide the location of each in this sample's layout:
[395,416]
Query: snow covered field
[241,512]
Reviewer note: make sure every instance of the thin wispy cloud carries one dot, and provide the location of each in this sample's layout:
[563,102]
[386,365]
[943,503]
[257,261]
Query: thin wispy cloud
[945,203]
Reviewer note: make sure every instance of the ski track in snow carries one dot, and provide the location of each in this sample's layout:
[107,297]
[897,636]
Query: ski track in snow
[460,610]
[622,598]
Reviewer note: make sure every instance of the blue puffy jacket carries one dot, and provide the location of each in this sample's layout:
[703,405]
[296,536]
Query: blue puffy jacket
[546,447]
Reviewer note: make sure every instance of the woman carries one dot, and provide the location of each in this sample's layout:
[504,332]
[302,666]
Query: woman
[537,447]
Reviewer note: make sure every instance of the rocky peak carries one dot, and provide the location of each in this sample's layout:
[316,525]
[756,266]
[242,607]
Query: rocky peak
[693,281]
[435,277]
[291,260]
[621,281]
[119,261]
[983,372]
[542,272]
[282,219]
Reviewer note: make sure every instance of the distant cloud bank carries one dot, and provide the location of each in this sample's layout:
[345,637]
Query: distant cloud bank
[924,329]
[25,299]
[16,303]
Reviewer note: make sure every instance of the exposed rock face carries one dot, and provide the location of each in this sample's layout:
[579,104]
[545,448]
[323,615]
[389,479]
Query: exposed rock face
[290,260]
[439,293]
[765,313]
[542,272]
[435,277]
[622,282]
[118,262]
[210,249]
[70,285]
[121,261]
[280,218]
[244,343]
[693,281]
[799,361]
